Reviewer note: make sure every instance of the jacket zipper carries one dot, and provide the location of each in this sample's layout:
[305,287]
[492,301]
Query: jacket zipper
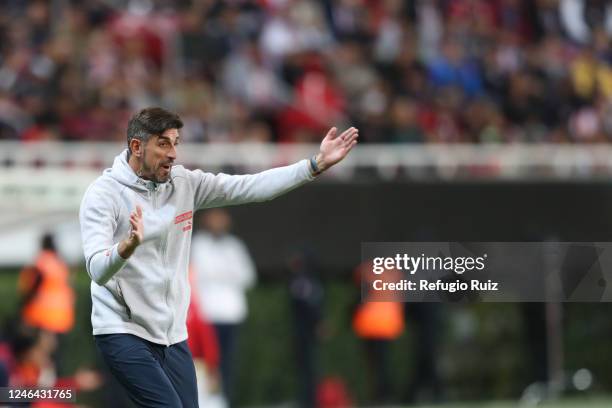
[162,250]
[168,282]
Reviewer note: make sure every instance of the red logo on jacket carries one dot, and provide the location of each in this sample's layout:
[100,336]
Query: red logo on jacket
[186,216]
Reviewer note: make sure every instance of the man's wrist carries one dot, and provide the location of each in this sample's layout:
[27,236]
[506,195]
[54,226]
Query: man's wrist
[317,165]
[320,163]
[126,248]
[314,168]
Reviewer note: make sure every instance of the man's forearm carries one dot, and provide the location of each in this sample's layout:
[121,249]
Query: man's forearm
[126,248]
[234,190]
[104,264]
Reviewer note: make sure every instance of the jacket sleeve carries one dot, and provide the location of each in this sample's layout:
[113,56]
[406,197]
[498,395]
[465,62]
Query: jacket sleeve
[222,189]
[98,219]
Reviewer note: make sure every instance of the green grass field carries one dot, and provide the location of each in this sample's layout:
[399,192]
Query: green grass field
[268,374]
[585,402]
[594,402]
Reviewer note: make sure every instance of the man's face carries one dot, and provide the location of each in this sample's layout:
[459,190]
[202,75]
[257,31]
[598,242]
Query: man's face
[159,154]
[217,221]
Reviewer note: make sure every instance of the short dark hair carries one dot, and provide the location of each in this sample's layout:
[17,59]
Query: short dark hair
[151,121]
[47,242]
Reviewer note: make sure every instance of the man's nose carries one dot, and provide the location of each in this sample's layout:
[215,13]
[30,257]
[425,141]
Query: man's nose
[172,153]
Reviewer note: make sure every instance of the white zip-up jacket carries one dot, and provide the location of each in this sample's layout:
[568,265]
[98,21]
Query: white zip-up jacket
[148,294]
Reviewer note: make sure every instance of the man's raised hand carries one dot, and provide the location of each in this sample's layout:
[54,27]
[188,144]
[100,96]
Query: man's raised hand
[136,231]
[335,147]
[127,246]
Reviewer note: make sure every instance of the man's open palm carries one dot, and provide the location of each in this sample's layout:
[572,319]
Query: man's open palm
[137,229]
[335,147]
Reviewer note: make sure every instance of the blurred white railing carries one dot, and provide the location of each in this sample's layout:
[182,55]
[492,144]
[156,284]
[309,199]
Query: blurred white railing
[41,185]
[53,176]
[446,161]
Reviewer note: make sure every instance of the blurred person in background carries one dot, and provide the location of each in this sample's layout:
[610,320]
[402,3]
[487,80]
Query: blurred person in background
[32,350]
[425,323]
[306,297]
[136,226]
[204,347]
[47,298]
[223,272]
[46,295]
[378,321]
[6,359]
[31,363]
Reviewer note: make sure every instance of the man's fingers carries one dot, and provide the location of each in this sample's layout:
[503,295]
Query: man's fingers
[348,132]
[349,146]
[136,230]
[133,231]
[352,136]
[332,134]
[345,137]
[350,139]
[136,216]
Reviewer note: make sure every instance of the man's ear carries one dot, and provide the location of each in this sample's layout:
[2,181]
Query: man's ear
[136,147]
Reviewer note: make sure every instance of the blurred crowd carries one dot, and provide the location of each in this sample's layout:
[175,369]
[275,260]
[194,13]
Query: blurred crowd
[412,71]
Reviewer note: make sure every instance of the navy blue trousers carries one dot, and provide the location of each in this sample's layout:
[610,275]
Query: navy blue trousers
[153,375]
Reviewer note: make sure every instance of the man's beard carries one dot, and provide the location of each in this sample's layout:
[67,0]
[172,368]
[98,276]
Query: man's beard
[145,172]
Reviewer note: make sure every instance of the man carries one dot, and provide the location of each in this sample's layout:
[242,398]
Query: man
[223,271]
[136,230]
[47,297]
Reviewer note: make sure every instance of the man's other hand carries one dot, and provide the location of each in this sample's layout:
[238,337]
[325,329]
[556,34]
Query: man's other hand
[127,246]
[335,147]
